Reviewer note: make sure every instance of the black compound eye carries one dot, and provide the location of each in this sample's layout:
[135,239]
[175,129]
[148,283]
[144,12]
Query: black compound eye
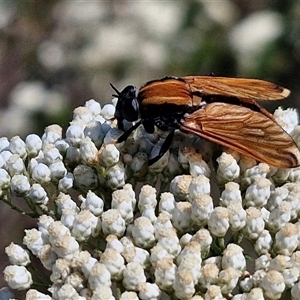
[127,106]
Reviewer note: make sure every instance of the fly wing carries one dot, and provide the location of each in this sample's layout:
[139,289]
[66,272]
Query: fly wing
[254,89]
[246,131]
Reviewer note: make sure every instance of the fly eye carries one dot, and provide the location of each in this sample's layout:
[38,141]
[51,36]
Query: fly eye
[131,110]
[127,107]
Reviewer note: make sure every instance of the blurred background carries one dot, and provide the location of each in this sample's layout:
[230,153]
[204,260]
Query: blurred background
[55,55]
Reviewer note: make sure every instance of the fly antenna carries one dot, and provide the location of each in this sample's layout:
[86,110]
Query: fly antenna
[115,89]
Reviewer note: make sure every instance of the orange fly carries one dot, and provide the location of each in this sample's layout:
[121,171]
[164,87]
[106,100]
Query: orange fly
[222,110]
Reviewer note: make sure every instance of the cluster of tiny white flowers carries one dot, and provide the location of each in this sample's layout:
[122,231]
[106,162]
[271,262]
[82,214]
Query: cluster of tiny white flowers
[177,229]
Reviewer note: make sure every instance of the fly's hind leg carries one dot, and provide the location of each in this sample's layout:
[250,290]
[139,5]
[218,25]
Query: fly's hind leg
[164,148]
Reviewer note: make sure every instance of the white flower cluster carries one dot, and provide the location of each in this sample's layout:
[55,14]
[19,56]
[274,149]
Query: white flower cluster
[186,238]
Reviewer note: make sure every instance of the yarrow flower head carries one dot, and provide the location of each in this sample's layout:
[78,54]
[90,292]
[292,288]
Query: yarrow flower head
[110,226]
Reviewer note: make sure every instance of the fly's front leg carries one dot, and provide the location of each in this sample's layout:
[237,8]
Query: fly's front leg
[164,148]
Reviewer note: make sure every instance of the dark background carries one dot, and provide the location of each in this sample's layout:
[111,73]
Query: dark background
[55,55]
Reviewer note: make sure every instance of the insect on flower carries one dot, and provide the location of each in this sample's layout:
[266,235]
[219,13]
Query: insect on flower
[220,109]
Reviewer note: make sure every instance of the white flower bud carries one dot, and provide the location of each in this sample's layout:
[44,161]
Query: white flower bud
[273,285]
[47,256]
[166,204]
[228,279]
[209,275]
[51,154]
[231,193]
[94,131]
[183,285]
[88,151]
[213,292]
[158,252]
[17,146]
[179,186]
[93,106]
[233,257]
[162,222]
[198,166]
[113,223]
[41,173]
[199,185]
[143,232]
[58,170]
[113,242]
[129,296]
[20,185]
[6,155]
[83,261]
[15,165]
[93,203]
[124,203]
[167,237]
[249,175]
[33,240]
[204,238]
[85,178]
[254,223]
[52,134]
[67,291]
[149,291]
[286,240]
[108,111]
[114,263]
[287,118]
[164,273]
[258,193]
[136,254]
[85,225]
[33,144]
[37,194]
[66,183]
[263,243]
[103,292]
[82,115]
[133,276]
[147,198]
[218,222]
[60,270]
[75,134]
[61,240]
[237,216]
[64,201]
[181,218]
[17,255]
[202,207]
[116,176]
[43,225]
[279,216]
[17,277]
[276,197]
[190,260]
[228,169]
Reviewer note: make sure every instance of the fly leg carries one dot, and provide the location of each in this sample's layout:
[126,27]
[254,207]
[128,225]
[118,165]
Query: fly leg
[127,133]
[164,148]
